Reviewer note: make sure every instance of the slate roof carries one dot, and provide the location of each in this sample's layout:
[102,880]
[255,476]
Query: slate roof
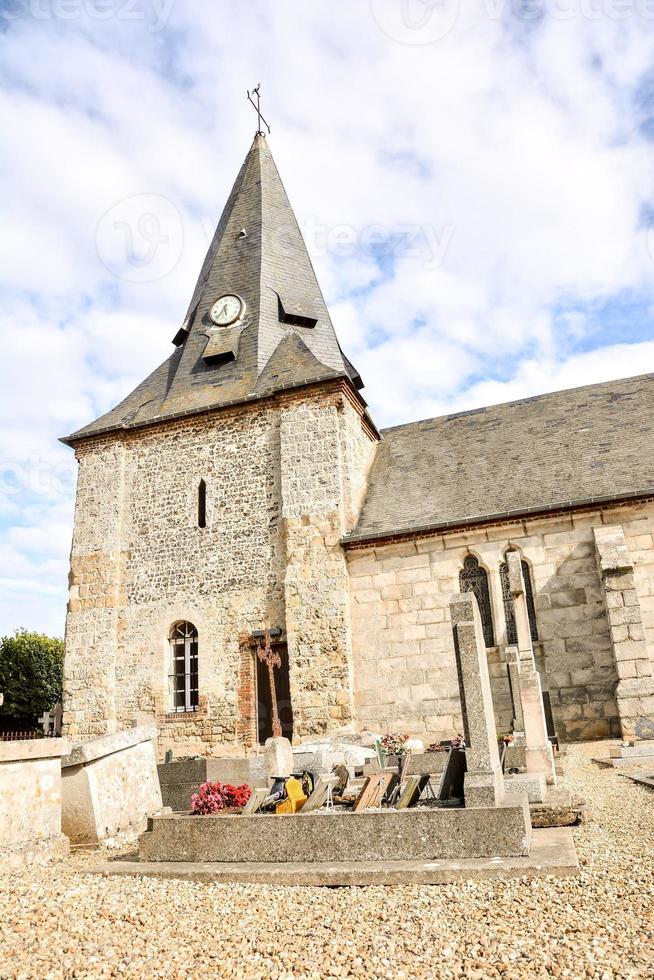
[270,269]
[571,447]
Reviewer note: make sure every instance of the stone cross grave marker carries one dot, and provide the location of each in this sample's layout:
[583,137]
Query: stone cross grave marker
[50,721]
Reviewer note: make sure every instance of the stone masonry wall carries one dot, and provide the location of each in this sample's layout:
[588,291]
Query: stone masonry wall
[140,562]
[324,449]
[404,667]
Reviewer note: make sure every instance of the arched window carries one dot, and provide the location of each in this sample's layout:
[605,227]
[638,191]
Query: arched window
[202,504]
[183,677]
[473,578]
[511,631]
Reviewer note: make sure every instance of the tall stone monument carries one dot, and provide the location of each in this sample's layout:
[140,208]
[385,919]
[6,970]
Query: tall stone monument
[484,782]
[525,680]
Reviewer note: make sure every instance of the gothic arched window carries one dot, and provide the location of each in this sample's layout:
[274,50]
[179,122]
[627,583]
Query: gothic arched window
[473,578]
[183,676]
[511,631]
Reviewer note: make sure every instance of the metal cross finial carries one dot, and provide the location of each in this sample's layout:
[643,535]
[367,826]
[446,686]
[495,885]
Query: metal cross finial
[257,105]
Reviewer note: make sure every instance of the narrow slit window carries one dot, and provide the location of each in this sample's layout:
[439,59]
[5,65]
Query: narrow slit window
[202,504]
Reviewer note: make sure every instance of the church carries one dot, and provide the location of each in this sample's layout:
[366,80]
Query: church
[244,487]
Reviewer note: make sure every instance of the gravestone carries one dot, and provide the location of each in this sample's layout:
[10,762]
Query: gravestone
[412,791]
[279,757]
[539,757]
[483,783]
[257,797]
[319,796]
[375,788]
[451,786]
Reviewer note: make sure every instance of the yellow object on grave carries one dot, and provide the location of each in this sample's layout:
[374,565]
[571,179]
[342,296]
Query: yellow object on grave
[295,797]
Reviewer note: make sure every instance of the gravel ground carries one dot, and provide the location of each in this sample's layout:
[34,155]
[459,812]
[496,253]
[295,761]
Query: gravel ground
[60,922]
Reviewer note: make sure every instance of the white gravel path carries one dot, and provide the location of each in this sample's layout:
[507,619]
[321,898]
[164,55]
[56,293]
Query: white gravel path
[60,922]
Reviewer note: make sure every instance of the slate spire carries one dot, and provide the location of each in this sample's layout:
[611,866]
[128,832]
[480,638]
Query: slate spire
[284,336]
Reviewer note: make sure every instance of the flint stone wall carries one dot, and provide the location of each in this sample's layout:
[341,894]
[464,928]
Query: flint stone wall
[30,802]
[404,665]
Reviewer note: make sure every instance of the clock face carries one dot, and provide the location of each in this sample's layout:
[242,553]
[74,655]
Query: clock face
[226,310]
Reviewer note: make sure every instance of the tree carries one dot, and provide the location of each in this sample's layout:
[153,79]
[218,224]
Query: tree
[31,675]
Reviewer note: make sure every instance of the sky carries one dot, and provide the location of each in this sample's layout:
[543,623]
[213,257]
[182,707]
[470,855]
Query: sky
[474,179]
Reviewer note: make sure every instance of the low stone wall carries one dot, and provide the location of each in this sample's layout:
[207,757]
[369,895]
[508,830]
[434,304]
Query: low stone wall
[179,780]
[417,834]
[30,802]
[110,785]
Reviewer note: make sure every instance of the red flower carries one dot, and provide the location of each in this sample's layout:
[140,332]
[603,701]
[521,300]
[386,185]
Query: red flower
[212,797]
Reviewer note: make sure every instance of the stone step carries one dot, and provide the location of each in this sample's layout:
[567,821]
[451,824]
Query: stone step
[552,852]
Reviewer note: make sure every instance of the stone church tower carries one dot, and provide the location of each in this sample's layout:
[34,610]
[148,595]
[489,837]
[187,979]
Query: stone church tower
[212,501]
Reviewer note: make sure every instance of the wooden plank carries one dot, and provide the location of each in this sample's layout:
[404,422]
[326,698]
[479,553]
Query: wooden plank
[257,797]
[319,796]
[374,790]
[412,791]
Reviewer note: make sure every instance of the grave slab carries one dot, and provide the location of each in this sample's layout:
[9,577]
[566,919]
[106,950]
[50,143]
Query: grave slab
[534,785]
[644,780]
[559,809]
[415,834]
[552,853]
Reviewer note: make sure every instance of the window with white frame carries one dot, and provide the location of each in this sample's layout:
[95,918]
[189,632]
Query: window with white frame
[183,675]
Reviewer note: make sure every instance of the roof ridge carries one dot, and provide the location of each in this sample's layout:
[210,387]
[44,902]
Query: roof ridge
[518,401]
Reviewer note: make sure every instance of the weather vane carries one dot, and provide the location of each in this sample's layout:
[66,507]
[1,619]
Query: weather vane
[257,105]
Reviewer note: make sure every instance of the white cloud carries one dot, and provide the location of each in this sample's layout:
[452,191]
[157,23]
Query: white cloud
[514,145]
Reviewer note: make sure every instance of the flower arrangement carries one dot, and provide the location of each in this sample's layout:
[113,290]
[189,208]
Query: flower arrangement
[212,797]
[394,743]
[458,742]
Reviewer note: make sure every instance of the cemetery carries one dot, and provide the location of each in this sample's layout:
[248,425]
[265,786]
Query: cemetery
[327,812]
[495,823]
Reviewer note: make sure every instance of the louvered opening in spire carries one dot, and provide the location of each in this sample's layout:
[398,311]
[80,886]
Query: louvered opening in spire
[256,299]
